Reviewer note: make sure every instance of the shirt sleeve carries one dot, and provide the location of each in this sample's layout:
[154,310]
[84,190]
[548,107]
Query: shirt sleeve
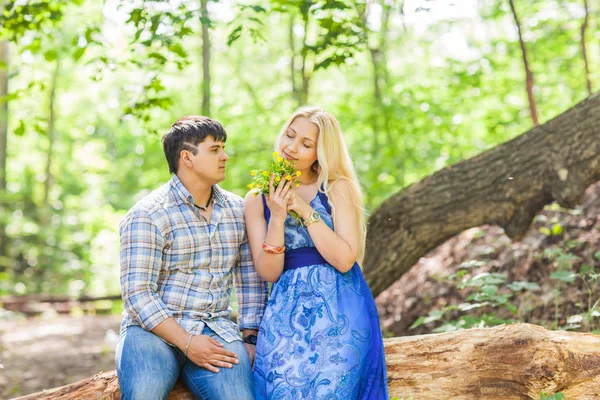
[251,290]
[141,254]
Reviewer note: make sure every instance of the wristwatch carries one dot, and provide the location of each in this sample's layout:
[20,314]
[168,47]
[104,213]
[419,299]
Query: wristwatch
[314,217]
[250,339]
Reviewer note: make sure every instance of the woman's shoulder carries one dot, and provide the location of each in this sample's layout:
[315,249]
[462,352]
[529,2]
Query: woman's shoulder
[253,200]
[341,187]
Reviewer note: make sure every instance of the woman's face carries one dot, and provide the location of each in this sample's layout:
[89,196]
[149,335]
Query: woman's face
[299,143]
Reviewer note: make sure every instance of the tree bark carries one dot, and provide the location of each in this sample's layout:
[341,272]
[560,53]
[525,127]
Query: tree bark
[584,26]
[205,59]
[295,92]
[51,131]
[4,58]
[528,73]
[36,304]
[506,362]
[304,70]
[505,186]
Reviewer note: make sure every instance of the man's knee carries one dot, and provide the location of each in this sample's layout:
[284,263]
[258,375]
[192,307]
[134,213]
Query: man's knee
[147,367]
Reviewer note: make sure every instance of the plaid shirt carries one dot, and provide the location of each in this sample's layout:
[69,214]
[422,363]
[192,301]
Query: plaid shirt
[175,263]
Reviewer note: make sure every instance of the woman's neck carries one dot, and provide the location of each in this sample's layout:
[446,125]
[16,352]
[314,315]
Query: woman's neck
[308,177]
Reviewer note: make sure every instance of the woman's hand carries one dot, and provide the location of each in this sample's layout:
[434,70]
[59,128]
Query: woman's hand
[299,205]
[279,198]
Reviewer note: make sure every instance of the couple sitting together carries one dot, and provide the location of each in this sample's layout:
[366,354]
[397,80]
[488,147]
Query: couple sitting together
[316,335]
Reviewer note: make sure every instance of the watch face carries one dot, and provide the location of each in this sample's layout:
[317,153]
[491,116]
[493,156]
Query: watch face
[250,339]
[315,216]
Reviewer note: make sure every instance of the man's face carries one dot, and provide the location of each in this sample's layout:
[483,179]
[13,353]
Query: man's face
[208,164]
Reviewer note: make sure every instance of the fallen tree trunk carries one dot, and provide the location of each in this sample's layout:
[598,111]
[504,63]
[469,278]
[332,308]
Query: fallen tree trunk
[506,362]
[35,304]
[505,186]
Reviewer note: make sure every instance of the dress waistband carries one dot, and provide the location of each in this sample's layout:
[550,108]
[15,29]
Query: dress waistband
[302,257]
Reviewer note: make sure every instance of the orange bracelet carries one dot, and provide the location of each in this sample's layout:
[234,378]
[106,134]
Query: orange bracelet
[273,249]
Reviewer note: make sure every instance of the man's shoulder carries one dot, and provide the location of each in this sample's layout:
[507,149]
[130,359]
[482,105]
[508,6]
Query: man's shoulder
[153,205]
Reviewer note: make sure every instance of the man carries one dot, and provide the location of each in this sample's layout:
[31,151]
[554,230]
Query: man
[181,248]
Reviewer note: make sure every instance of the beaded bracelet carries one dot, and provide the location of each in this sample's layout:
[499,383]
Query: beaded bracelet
[187,345]
[273,249]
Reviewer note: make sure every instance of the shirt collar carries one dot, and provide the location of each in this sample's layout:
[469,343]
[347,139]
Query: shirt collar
[187,197]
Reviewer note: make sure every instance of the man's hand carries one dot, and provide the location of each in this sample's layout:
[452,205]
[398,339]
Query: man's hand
[208,353]
[251,349]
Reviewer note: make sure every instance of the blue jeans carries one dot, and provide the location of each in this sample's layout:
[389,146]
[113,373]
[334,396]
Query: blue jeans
[148,368]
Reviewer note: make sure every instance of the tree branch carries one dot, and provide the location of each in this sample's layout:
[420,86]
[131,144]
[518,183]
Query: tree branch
[583,47]
[528,73]
[505,186]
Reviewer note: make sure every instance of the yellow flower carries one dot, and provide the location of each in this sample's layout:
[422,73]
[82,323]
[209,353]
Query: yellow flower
[253,172]
[275,154]
[277,179]
[251,186]
[297,184]
[265,173]
[298,173]
[288,177]
[279,159]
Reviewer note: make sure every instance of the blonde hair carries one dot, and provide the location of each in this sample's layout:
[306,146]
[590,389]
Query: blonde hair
[334,163]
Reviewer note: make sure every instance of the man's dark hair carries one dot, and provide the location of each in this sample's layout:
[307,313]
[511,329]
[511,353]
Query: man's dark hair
[186,134]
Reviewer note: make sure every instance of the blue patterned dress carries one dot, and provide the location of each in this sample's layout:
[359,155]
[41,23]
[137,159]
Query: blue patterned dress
[320,337]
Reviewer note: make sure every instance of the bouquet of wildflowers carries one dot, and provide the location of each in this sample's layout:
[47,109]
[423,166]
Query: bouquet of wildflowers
[281,169]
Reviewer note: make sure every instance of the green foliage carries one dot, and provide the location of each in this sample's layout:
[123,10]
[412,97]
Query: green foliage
[567,276]
[486,291]
[557,396]
[489,297]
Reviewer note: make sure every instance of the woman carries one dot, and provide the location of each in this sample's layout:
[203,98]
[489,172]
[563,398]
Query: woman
[320,336]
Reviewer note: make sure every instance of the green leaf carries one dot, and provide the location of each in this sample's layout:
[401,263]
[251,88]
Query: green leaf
[234,35]
[517,286]
[557,229]
[135,16]
[79,53]
[564,276]
[178,49]
[20,130]
[545,231]
[557,396]
[490,290]
[50,55]
[418,322]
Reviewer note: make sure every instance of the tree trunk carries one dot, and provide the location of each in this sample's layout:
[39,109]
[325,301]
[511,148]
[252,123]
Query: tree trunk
[4,59]
[304,70]
[51,131]
[588,82]
[528,73]
[295,92]
[506,362]
[505,186]
[205,59]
